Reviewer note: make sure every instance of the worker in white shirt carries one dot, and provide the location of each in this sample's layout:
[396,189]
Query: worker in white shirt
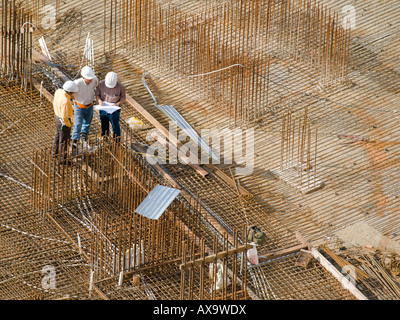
[83,104]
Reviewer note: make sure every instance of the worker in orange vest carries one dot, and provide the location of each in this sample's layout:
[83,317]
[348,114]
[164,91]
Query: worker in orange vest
[63,113]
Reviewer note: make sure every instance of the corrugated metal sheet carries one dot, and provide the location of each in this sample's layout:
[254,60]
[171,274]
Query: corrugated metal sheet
[175,116]
[157,201]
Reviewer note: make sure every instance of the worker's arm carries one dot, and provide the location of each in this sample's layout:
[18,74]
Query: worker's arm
[122,97]
[97,94]
[65,114]
[100,102]
[120,102]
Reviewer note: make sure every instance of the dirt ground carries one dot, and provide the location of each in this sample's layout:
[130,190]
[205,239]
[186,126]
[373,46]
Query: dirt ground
[360,234]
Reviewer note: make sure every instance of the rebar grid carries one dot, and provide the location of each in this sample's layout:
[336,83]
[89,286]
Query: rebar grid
[121,241]
[220,275]
[123,179]
[223,201]
[16,43]
[270,286]
[150,284]
[185,278]
[333,116]
[30,242]
[101,159]
[298,157]
[240,44]
[225,36]
[332,121]
[388,287]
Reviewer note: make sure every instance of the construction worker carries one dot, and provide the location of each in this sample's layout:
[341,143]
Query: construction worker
[112,92]
[83,104]
[63,113]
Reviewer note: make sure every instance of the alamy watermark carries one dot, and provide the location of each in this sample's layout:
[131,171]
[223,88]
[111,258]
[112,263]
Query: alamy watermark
[49,17]
[211,146]
[349,277]
[349,19]
[49,280]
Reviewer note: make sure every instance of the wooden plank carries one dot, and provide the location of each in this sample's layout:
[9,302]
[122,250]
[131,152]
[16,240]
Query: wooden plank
[214,257]
[219,173]
[100,293]
[339,276]
[302,240]
[284,252]
[39,57]
[193,161]
[45,93]
[179,154]
[141,269]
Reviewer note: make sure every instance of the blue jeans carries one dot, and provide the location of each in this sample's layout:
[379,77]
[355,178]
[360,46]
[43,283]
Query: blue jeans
[82,121]
[106,118]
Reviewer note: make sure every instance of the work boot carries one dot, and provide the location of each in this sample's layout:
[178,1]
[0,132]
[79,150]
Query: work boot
[85,141]
[74,147]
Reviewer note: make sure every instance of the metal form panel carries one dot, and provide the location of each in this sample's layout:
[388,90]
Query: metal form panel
[157,201]
[174,115]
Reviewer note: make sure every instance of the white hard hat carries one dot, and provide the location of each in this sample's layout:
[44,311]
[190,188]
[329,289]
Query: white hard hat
[111,80]
[87,73]
[70,86]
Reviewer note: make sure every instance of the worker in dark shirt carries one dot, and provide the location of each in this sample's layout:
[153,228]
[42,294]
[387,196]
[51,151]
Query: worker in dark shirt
[111,92]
